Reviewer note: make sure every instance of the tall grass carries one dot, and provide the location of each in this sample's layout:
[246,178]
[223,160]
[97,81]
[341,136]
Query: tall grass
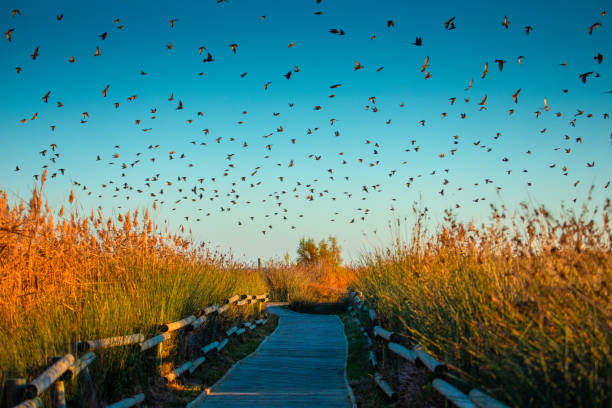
[307,283]
[66,277]
[521,305]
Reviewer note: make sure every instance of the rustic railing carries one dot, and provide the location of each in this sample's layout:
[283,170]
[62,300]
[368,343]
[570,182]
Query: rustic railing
[387,340]
[22,394]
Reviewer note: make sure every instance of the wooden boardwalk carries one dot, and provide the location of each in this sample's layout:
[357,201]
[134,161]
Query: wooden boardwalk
[301,364]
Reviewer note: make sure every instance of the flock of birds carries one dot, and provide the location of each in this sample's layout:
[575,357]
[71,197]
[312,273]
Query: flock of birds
[176,189]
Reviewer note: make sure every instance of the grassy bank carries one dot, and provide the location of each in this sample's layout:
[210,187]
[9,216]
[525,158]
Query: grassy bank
[524,311]
[66,277]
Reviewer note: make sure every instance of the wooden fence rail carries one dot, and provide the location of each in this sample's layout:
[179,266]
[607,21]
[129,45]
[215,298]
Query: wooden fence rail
[417,354]
[19,394]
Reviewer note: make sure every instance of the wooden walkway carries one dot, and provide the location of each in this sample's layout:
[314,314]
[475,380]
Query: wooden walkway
[301,364]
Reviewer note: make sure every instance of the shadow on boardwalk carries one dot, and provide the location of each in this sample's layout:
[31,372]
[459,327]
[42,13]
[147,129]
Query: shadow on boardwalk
[301,364]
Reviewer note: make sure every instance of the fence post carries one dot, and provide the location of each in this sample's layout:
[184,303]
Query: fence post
[13,391]
[59,394]
[86,387]
[259,264]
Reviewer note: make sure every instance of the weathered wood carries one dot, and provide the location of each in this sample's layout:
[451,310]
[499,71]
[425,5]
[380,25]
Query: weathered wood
[13,391]
[59,394]
[483,400]
[222,309]
[177,372]
[110,342]
[452,394]
[79,365]
[198,322]
[222,344]
[233,299]
[154,341]
[372,357]
[372,315]
[385,387]
[402,351]
[431,363]
[31,403]
[48,377]
[231,331]
[196,363]
[209,347]
[243,302]
[128,402]
[261,297]
[302,364]
[240,331]
[88,391]
[168,327]
[211,309]
[385,334]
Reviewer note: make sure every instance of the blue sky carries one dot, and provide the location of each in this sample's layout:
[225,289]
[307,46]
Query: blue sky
[560,33]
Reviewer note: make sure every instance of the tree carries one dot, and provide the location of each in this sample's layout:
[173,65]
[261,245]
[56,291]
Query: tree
[327,252]
[308,252]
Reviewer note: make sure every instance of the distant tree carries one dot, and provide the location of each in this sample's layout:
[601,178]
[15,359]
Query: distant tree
[328,251]
[307,251]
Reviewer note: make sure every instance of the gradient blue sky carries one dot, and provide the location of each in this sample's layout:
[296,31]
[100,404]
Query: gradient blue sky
[560,33]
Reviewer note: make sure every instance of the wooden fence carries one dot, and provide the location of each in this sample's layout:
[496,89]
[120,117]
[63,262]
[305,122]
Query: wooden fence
[388,345]
[22,394]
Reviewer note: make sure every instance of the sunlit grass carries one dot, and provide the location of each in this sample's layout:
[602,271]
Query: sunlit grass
[521,305]
[67,277]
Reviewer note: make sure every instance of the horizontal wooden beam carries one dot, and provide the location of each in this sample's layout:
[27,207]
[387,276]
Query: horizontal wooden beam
[385,387]
[402,351]
[168,327]
[209,347]
[128,402]
[48,377]
[110,342]
[452,394]
[177,372]
[483,400]
[154,341]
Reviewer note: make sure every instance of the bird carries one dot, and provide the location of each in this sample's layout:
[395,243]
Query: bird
[500,64]
[528,29]
[506,23]
[599,58]
[336,31]
[425,64]
[515,95]
[233,47]
[485,71]
[583,77]
[35,54]
[9,33]
[449,25]
[418,41]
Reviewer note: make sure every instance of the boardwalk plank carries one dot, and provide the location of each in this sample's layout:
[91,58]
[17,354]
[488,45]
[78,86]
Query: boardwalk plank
[302,364]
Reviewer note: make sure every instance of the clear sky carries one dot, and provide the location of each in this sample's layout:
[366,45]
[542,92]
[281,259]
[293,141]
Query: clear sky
[254,188]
